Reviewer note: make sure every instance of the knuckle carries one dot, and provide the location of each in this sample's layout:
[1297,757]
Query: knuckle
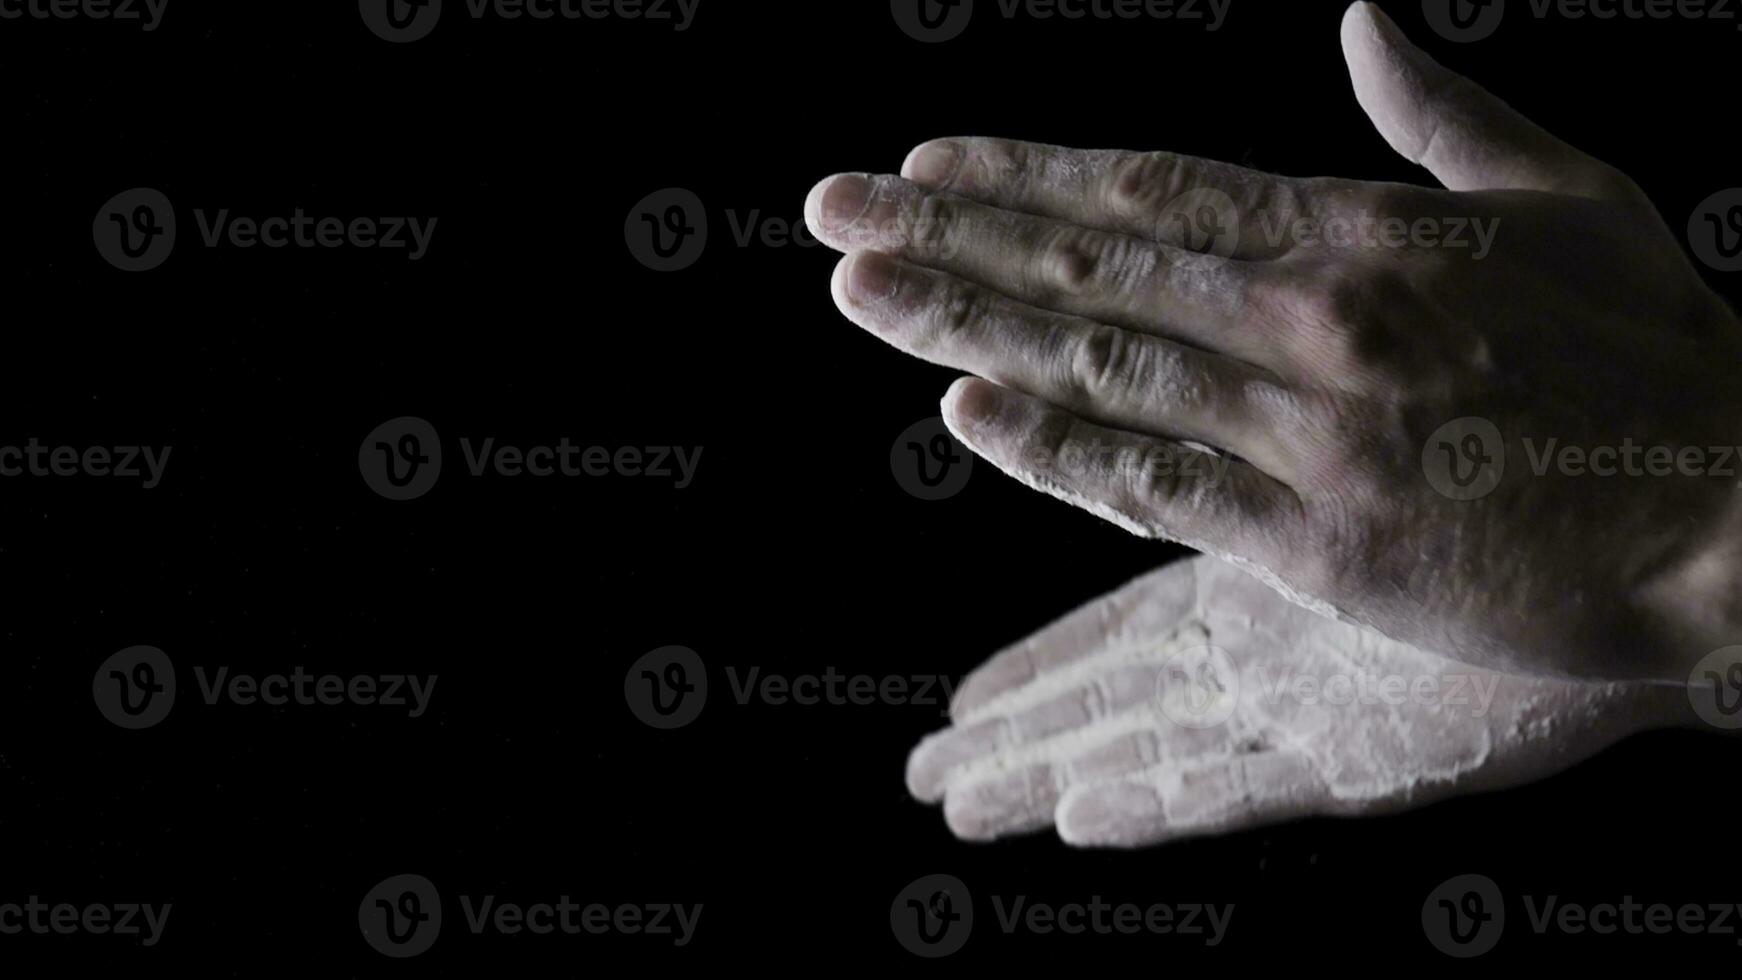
[1020,165]
[1340,301]
[1077,262]
[965,308]
[1143,183]
[935,221]
[1101,362]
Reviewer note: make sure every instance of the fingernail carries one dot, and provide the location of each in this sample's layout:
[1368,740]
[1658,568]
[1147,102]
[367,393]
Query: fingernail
[975,402]
[933,164]
[845,199]
[872,277]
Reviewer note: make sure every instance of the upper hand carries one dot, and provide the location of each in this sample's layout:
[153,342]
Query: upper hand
[1128,310]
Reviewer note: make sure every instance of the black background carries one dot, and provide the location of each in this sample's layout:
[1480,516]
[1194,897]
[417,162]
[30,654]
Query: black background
[794,550]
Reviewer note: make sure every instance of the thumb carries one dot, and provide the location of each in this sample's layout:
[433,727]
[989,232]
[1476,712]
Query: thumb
[1463,135]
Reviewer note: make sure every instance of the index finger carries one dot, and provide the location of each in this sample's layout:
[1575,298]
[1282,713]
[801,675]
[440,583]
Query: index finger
[1154,195]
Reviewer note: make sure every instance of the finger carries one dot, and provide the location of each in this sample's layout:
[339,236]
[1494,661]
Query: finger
[1170,802]
[1128,282]
[999,802]
[1098,699]
[1149,195]
[1106,374]
[1151,487]
[1147,606]
[1465,136]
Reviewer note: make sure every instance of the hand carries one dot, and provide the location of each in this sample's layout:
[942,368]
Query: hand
[1196,701]
[1132,310]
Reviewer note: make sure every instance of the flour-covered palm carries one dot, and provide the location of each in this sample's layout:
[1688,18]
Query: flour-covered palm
[1419,401]
[1195,700]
